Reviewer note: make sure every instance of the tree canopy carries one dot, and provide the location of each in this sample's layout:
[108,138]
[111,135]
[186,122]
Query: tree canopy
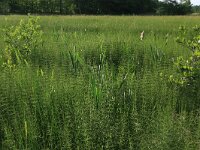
[168,7]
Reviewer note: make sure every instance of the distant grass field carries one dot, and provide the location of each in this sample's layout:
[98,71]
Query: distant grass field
[93,84]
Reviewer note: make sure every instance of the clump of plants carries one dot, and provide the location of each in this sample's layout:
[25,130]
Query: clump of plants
[21,41]
[188,78]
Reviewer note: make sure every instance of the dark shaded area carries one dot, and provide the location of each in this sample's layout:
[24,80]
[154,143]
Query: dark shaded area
[95,7]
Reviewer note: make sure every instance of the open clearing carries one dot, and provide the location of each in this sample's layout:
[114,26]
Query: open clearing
[93,84]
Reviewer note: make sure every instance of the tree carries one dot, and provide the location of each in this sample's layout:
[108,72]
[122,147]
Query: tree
[172,7]
[186,6]
[4,7]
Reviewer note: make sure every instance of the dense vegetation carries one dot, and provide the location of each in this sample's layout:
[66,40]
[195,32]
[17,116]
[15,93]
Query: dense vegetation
[168,7]
[91,83]
[196,9]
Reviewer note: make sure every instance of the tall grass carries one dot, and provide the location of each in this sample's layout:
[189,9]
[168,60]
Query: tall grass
[94,85]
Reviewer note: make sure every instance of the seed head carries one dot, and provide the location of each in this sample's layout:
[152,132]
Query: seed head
[142,35]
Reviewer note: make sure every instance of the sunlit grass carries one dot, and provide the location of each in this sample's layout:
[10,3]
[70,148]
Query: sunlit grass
[93,84]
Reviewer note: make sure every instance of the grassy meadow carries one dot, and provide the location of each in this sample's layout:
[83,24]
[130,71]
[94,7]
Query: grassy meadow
[94,85]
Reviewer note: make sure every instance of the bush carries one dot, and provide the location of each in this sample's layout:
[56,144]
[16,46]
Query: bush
[188,81]
[22,40]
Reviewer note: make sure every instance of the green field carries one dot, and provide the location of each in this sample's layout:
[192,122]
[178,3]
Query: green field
[93,84]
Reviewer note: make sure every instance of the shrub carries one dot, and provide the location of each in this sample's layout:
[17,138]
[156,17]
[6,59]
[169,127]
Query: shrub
[188,80]
[22,40]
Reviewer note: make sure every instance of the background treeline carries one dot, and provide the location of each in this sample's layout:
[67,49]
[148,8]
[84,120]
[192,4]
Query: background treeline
[167,7]
[196,9]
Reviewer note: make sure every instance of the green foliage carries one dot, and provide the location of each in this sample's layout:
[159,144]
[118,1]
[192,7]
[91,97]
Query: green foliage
[76,60]
[188,79]
[4,7]
[173,7]
[22,40]
[93,84]
[189,68]
[81,7]
[168,7]
[196,9]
